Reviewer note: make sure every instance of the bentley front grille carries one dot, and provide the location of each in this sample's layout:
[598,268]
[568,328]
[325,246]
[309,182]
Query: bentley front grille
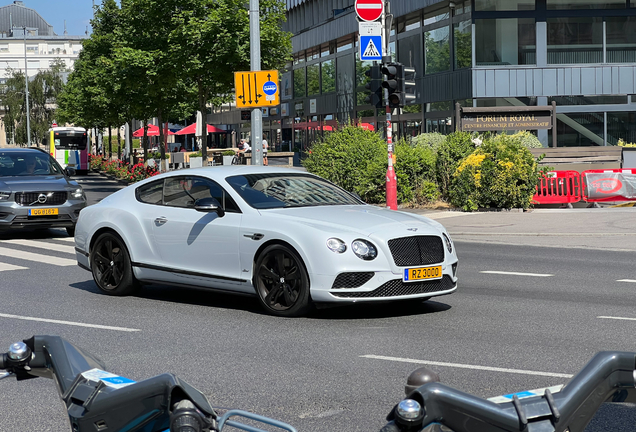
[418,250]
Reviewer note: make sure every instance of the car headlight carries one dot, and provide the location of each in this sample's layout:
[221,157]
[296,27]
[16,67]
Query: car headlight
[4,196]
[364,249]
[449,243]
[78,194]
[336,245]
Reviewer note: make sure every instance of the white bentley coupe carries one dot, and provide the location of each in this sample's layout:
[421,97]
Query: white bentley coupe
[289,237]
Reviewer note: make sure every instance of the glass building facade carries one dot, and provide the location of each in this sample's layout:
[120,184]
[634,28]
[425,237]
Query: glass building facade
[580,54]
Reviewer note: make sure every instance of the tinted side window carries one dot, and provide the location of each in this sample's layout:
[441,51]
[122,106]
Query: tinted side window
[184,191]
[222,196]
[150,193]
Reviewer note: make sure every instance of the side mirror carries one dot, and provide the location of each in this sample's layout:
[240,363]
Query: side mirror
[209,205]
[70,171]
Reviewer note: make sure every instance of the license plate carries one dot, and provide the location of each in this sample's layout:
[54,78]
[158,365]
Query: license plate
[422,273]
[43,212]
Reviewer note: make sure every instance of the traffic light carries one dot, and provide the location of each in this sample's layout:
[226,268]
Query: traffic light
[374,86]
[400,81]
[408,85]
[392,72]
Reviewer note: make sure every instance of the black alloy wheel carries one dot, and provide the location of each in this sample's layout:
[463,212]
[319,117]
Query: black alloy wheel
[282,282]
[111,267]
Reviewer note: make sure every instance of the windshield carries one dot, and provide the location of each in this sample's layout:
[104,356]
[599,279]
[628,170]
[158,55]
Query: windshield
[70,140]
[27,164]
[276,190]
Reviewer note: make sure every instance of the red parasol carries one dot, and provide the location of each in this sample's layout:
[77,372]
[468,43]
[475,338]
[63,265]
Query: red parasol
[193,128]
[152,131]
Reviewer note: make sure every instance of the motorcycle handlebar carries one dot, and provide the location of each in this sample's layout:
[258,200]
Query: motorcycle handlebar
[608,377]
[93,400]
[91,394]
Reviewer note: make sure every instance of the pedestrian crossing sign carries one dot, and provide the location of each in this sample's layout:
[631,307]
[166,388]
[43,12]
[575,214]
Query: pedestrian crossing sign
[370,47]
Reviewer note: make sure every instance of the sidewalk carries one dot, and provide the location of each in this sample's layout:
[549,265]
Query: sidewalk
[596,228]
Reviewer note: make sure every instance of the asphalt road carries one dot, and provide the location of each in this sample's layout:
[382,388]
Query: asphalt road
[537,314]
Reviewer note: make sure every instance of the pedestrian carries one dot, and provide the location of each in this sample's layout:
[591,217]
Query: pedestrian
[246,147]
[265,148]
[182,149]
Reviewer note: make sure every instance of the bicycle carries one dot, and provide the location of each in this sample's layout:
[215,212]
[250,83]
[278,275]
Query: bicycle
[96,402]
[608,377]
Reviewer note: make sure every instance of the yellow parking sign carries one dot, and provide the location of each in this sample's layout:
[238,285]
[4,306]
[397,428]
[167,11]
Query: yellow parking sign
[256,88]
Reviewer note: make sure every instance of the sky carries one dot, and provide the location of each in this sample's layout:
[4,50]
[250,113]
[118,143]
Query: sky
[77,13]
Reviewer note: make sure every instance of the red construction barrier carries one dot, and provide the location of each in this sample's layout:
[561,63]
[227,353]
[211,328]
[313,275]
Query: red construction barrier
[559,187]
[609,185]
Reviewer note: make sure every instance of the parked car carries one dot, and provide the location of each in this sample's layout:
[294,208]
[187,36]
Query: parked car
[289,237]
[36,192]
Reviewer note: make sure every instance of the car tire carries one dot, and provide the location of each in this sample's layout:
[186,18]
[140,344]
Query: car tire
[70,231]
[281,282]
[111,266]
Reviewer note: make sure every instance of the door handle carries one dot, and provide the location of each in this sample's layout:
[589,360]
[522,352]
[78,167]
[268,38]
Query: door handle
[160,220]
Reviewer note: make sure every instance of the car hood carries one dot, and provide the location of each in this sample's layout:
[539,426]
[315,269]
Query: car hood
[34,183]
[363,219]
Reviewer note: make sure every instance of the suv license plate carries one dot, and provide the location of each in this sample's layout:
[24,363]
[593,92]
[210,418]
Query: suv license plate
[422,273]
[43,212]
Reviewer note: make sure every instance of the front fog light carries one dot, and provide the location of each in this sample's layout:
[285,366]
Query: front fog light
[449,243]
[336,245]
[364,249]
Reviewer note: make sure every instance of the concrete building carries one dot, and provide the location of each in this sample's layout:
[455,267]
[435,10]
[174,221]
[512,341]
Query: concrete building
[580,54]
[42,44]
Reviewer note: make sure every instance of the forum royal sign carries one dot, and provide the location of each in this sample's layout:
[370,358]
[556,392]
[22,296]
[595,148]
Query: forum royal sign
[505,122]
[481,119]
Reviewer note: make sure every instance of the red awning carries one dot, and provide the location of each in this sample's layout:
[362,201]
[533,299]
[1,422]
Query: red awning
[152,131]
[193,128]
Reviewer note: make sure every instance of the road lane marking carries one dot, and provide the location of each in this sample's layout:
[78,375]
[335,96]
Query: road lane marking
[66,239]
[516,273]
[626,280]
[616,318]
[465,366]
[71,323]
[42,245]
[445,215]
[47,259]
[8,267]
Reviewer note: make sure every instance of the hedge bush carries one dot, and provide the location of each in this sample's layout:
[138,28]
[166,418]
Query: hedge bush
[501,173]
[450,153]
[356,160]
[527,139]
[415,171]
[431,140]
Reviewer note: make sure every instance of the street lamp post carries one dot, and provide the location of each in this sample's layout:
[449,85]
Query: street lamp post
[26,84]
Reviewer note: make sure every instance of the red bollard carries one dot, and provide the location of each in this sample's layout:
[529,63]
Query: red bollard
[391,188]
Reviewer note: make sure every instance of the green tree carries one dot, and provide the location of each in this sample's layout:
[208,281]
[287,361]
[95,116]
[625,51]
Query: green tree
[44,89]
[91,97]
[210,39]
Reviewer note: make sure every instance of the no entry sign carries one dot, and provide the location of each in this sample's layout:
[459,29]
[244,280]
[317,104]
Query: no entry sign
[369,10]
